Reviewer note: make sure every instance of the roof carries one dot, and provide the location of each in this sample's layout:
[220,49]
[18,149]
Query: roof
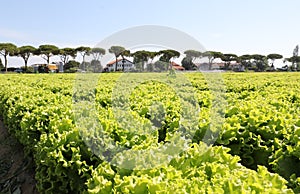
[52,66]
[176,66]
[119,59]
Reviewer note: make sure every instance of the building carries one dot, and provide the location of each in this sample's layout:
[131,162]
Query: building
[41,68]
[46,68]
[177,67]
[128,65]
[52,68]
[60,67]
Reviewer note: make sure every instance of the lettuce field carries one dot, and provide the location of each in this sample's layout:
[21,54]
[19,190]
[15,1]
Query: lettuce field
[153,133]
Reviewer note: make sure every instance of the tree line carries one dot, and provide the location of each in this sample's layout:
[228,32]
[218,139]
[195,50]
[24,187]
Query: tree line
[46,52]
[142,58]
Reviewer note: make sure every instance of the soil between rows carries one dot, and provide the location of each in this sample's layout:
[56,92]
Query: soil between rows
[16,170]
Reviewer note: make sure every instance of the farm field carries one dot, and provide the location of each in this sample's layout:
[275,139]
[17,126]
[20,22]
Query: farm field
[149,135]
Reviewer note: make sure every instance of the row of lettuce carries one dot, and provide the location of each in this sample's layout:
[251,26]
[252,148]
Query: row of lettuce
[257,148]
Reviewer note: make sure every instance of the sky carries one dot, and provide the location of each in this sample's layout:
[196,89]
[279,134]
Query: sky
[228,26]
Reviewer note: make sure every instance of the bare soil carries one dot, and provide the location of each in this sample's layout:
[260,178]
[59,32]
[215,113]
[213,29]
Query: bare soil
[16,169]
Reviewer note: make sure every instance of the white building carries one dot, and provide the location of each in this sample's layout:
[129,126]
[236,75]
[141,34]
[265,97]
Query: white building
[128,65]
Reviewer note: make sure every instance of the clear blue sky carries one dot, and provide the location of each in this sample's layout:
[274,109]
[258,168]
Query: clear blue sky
[229,26]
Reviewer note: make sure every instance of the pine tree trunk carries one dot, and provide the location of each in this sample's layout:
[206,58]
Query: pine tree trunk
[5,62]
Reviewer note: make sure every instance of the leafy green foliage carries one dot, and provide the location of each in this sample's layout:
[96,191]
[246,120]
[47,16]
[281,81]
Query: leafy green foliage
[7,49]
[25,52]
[84,51]
[257,146]
[71,65]
[261,122]
[212,55]
[117,51]
[167,55]
[67,53]
[228,58]
[46,51]
[198,170]
[97,53]
[188,64]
